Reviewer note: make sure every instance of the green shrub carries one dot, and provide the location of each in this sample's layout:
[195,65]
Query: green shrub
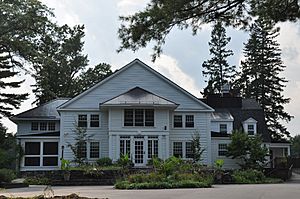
[7,175]
[104,162]
[125,161]
[37,181]
[249,176]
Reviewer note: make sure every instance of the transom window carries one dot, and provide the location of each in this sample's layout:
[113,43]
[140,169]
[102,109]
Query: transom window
[94,121]
[223,128]
[82,120]
[177,121]
[177,149]
[250,129]
[189,121]
[222,150]
[94,150]
[139,117]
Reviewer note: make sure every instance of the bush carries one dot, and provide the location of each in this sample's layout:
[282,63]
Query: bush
[249,176]
[7,175]
[37,181]
[104,162]
[125,161]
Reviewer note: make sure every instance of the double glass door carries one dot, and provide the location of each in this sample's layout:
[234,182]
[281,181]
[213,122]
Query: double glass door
[139,148]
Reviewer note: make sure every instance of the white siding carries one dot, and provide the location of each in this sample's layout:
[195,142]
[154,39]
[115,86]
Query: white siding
[24,127]
[228,162]
[201,125]
[135,75]
[215,126]
[67,135]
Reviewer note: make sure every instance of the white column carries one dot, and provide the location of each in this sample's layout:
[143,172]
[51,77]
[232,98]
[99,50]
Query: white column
[110,151]
[117,145]
[289,150]
[145,148]
[167,153]
[132,148]
[161,147]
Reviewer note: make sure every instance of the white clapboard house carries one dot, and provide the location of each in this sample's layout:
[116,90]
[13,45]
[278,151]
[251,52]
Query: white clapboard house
[137,111]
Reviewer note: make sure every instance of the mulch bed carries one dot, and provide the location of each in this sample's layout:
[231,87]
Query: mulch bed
[72,196]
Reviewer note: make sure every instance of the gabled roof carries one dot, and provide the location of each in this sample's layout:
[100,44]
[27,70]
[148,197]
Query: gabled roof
[140,63]
[44,111]
[139,97]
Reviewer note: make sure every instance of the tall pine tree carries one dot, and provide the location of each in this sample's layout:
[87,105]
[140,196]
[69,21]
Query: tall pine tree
[217,69]
[260,75]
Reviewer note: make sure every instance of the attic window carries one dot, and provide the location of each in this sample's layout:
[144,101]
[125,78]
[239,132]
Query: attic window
[34,126]
[223,128]
[250,129]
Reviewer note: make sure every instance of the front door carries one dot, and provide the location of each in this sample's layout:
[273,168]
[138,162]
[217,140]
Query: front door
[139,152]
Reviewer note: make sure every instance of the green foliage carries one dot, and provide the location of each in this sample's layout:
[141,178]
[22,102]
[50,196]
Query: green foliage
[37,181]
[217,69]
[106,161]
[8,149]
[22,25]
[196,148]
[156,21]
[65,165]
[7,175]
[249,176]
[295,149]
[219,163]
[125,161]
[77,148]
[171,173]
[260,76]
[248,149]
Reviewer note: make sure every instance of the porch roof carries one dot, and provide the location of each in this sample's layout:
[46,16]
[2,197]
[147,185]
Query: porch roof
[139,97]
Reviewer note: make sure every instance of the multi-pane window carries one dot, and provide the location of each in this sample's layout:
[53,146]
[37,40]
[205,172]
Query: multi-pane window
[51,126]
[223,128]
[138,117]
[124,145]
[35,156]
[34,126]
[81,150]
[128,117]
[149,117]
[189,121]
[43,126]
[222,151]
[82,120]
[250,129]
[94,121]
[94,150]
[177,149]
[50,153]
[188,150]
[177,120]
[152,146]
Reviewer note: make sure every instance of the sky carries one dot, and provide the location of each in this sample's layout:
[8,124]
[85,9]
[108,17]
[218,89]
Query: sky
[183,53]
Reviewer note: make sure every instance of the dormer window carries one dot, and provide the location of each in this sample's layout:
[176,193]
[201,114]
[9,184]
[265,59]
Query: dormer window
[223,128]
[250,129]
[250,126]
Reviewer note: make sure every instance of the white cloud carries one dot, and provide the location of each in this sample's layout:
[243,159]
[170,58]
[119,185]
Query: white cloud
[127,7]
[169,67]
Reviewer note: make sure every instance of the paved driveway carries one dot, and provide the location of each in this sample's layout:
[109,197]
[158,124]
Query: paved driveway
[264,191]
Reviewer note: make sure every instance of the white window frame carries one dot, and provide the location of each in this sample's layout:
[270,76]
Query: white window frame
[133,118]
[90,149]
[224,125]
[183,144]
[249,122]
[183,119]
[220,149]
